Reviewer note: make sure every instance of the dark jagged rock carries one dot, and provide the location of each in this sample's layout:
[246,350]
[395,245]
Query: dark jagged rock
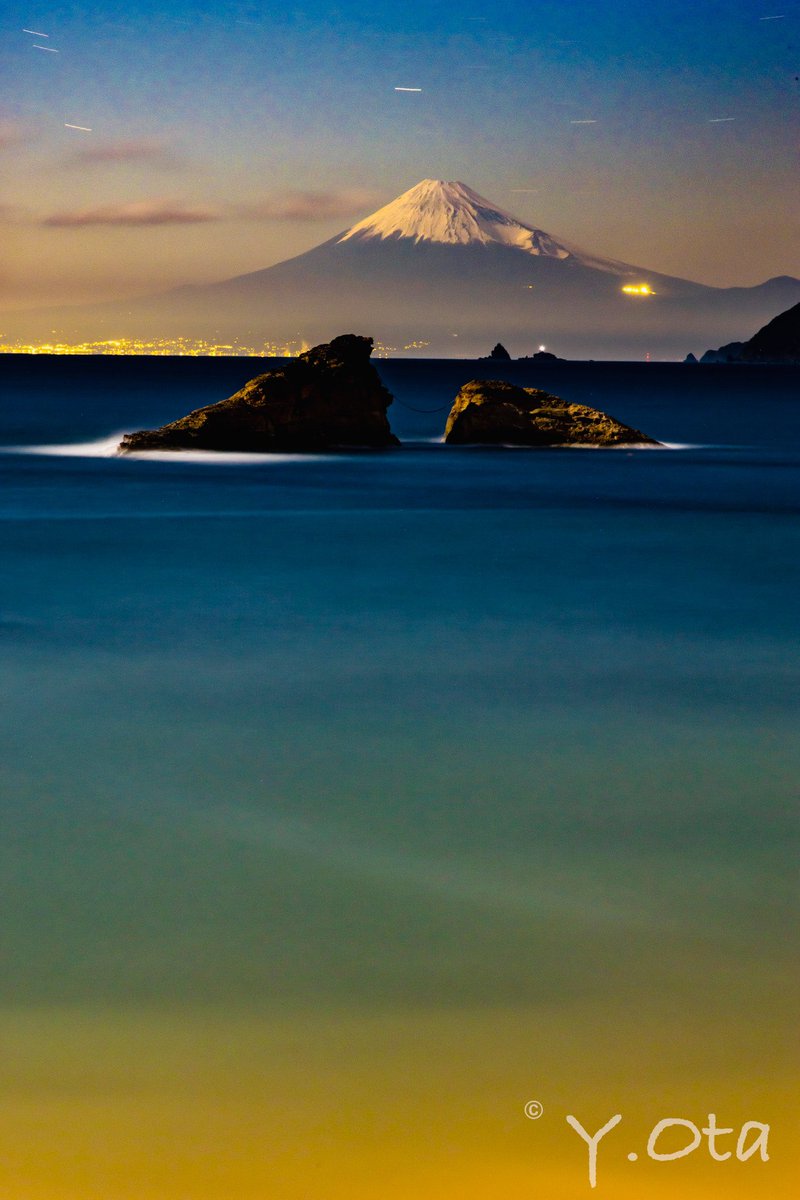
[500,352]
[690,358]
[329,397]
[777,342]
[491,412]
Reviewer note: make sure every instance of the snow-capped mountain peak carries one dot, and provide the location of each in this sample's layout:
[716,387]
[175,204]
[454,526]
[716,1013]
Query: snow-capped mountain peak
[449,212]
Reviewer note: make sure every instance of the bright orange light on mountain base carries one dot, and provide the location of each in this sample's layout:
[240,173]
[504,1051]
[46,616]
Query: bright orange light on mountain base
[638,289]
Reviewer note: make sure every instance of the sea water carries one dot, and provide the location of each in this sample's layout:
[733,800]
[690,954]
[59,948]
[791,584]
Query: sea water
[351,803]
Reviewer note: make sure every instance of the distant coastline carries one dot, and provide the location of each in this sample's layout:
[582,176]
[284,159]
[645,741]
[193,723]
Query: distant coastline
[81,353]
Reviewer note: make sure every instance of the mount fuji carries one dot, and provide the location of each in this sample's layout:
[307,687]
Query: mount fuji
[444,270]
[451,214]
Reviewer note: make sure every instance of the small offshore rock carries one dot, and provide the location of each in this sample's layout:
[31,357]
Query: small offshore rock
[493,412]
[330,397]
[542,356]
[500,352]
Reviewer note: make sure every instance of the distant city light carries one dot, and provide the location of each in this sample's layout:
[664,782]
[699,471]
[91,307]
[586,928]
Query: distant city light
[180,347]
[638,289]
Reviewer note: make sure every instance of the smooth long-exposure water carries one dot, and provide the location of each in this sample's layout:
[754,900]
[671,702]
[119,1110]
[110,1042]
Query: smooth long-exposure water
[351,802]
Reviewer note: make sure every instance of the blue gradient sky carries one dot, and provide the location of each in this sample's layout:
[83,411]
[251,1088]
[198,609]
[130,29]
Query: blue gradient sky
[228,137]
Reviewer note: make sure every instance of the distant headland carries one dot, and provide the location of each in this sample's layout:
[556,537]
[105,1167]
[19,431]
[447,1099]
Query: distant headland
[777,342]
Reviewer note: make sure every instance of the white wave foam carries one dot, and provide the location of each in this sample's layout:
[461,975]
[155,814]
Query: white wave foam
[103,448]
[631,446]
[232,457]
[108,447]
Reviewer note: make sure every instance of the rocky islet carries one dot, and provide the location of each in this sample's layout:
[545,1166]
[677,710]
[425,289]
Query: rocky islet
[332,397]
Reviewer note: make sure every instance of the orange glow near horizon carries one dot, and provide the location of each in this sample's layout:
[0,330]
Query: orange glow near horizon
[360,1105]
[638,289]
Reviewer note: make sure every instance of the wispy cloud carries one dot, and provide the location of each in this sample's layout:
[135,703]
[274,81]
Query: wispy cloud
[153,153]
[310,206]
[138,212]
[279,206]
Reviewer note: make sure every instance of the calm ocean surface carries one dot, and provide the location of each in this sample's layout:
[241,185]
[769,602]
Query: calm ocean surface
[351,802]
